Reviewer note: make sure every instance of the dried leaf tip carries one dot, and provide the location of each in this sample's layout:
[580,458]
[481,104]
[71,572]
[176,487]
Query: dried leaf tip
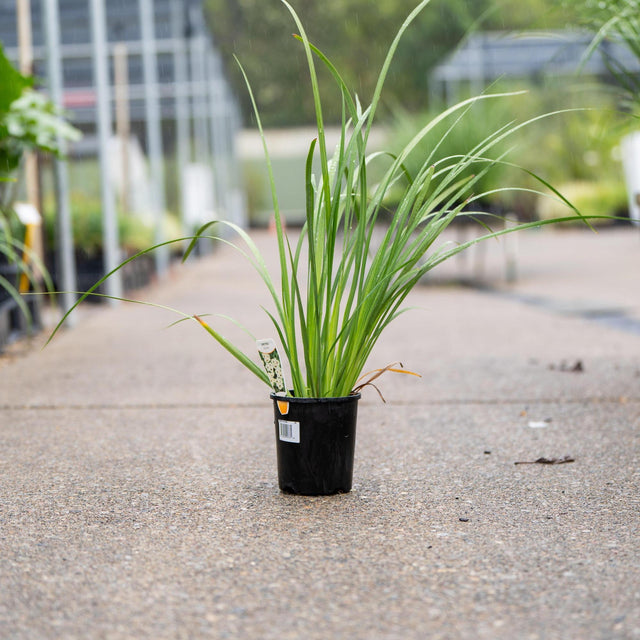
[370,376]
[200,320]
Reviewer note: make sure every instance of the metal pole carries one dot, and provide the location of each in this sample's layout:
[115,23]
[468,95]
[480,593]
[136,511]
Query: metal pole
[64,245]
[111,251]
[181,78]
[153,129]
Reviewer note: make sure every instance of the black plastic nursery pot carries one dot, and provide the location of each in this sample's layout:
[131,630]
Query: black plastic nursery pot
[315,443]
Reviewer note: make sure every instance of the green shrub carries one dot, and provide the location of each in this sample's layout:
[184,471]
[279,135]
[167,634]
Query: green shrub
[135,232]
[455,137]
[28,121]
[256,191]
[607,197]
[579,145]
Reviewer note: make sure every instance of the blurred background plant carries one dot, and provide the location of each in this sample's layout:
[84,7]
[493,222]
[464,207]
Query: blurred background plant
[616,21]
[12,85]
[578,150]
[355,34]
[135,232]
[447,141]
[28,121]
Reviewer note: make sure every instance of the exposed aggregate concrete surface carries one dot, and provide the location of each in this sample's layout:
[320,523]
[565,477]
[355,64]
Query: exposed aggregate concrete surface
[138,488]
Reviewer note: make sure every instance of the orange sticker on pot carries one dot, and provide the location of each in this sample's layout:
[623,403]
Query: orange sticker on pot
[283,407]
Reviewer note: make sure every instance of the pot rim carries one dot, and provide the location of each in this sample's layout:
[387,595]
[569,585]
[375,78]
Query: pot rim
[305,400]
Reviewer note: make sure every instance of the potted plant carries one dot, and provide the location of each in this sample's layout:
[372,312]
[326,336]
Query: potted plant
[28,121]
[345,278]
[12,85]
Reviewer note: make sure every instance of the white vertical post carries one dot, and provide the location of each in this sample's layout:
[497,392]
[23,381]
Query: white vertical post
[238,200]
[215,111]
[181,97]
[64,238]
[123,120]
[25,42]
[631,165]
[199,92]
[111,251]
[511,251]
[153,129]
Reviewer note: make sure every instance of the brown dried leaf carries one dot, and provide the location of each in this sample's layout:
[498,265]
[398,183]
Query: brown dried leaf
[549,460]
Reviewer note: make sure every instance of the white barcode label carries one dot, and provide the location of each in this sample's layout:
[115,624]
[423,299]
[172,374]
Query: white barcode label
[289,431]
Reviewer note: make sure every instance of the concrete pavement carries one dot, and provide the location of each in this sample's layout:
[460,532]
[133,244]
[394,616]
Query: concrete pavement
[138,489]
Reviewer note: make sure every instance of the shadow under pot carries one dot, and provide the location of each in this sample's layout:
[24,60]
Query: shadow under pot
[315,443]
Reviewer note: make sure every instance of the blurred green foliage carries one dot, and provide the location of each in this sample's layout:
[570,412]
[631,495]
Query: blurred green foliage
[355,34]
[576,147]
[28,120]
[607,197]
[456,136]
[87,226]
[135,232]
[615,21]
[13,83]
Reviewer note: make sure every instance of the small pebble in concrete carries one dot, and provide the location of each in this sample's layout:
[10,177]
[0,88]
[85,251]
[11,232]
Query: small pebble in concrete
[539,424]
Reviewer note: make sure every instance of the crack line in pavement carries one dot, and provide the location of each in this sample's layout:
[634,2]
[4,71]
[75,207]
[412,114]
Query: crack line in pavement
[445,402]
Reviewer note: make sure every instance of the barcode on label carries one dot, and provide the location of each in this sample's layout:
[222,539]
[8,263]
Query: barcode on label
[289,431]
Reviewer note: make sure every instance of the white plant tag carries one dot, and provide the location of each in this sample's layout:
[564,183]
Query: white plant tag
[27,213]
[289,431]
[272,365]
